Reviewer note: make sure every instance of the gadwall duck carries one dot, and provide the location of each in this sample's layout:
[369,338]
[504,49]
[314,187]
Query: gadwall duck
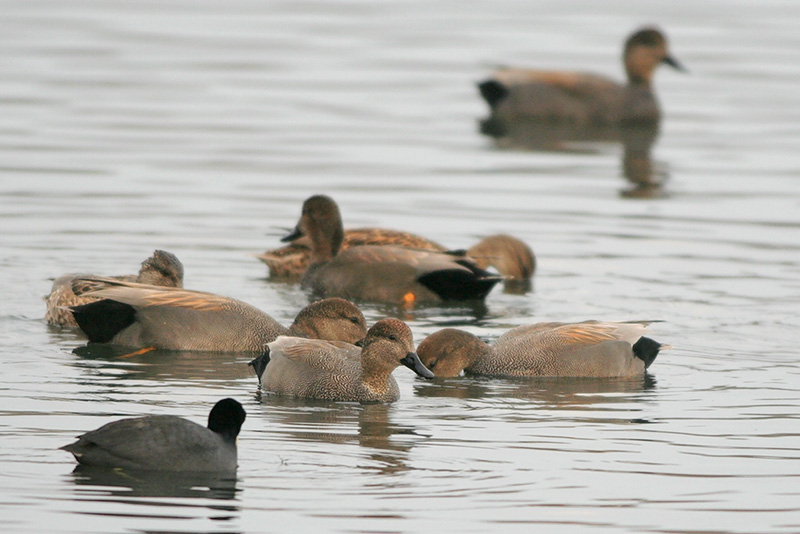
[165,442]
[580,97]
[387,274]
[316,369]
[160,269]
[152,317]
[291,261]
[512,258]
[587,349]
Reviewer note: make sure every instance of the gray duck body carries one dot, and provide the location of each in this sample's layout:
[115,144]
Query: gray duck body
[588,349]
[165,442]
[143,316]
[577,97]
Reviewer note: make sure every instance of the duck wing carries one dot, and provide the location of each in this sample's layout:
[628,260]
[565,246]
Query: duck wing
[145,295]
[312,353]
[141,315]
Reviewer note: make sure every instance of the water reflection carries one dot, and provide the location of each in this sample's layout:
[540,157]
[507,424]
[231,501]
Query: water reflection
[167,364]
[368,425]
[113,482]
[450,313]
[553,392]
[637,140]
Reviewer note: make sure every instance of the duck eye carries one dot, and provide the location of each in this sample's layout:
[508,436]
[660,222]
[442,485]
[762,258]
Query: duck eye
[393,337]
[354,320]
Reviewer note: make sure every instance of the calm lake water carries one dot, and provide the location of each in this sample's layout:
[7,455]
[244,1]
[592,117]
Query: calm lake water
[199,127]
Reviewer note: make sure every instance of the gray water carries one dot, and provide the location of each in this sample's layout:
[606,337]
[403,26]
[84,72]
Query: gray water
[199,127]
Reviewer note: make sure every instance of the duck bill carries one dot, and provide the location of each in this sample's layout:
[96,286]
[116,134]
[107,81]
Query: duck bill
[260,363]
[674,63]
[294,234]
[413,362]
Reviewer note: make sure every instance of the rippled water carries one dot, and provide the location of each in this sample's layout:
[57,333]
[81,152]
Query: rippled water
[199,127]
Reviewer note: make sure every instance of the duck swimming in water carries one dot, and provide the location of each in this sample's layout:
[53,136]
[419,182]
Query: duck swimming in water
[578,97]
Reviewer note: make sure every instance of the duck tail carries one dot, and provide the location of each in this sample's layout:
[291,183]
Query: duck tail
[103,319]
[647,349]
[461,284]
[493,92]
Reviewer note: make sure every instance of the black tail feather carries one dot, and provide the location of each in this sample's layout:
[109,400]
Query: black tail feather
[646,349]
[458,284]
[493,92]
[103,319]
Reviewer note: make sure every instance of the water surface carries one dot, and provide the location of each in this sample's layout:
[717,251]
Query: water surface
[199,128]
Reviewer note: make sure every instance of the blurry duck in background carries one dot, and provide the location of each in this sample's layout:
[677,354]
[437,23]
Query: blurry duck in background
[574,112]
[581,97]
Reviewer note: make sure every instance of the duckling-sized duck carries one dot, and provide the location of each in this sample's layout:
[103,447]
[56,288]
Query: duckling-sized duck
[165,442]
[580,97]
[315,369]
[512,258]
[152,317]
[587,349]
[161,269]
[387,274]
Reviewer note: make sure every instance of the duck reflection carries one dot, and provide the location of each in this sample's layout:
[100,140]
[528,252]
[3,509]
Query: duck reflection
[367,425]
[125,484]
[552,392]
[449,312]
[644,179]
[168,364]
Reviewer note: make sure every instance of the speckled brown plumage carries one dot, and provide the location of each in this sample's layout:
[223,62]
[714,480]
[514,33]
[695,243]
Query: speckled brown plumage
[337,371]
[588,349]
[144,316]
[160,269]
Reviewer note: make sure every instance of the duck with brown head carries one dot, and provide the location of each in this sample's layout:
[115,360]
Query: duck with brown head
[580,97]
[387,274]
[588,349]
[151,317]
[315,369]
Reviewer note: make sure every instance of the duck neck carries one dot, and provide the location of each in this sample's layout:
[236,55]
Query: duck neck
[639,68]
[375,374]
[481,351]
[325,245]
[638,80]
